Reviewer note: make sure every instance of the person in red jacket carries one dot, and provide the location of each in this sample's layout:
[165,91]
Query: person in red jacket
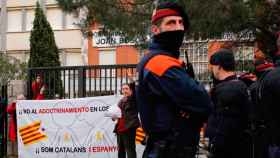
[38,88]
[11,110]
[41,96]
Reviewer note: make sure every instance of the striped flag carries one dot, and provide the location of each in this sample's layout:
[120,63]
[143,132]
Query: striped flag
[140,135]
[31,134]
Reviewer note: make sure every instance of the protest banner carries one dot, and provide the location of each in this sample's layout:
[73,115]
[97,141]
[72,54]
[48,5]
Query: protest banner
[68,128]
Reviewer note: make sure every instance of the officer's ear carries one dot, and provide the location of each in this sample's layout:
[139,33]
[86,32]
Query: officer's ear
[155,29]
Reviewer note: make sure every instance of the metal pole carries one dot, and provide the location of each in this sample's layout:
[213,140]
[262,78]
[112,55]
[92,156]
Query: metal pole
[29,84]
[4,104]
[82,82]
[3,121]
[3,26]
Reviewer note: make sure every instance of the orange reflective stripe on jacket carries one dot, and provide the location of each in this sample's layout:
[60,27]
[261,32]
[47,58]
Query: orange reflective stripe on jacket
[161,63]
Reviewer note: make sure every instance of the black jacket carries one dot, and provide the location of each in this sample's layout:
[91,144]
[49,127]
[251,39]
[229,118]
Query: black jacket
[166,88]
[129,110]
[230,116]
[269,95]
[257,109]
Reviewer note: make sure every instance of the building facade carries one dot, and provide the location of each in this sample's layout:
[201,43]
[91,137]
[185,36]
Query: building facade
[17,21]
[75,49]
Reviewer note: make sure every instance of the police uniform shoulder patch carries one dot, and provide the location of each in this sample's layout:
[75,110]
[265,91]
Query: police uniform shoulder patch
[161,63]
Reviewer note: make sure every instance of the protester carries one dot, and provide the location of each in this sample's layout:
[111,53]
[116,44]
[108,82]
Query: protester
[38,88]
[257,122]
[172,105]
[268,92]
[228,123]
[128,123]
[276,55]
[11,110]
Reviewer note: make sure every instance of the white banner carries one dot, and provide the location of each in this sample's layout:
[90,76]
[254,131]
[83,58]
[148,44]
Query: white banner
[69,128]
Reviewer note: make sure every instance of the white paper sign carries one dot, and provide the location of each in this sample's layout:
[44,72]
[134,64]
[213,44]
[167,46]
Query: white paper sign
[68,128]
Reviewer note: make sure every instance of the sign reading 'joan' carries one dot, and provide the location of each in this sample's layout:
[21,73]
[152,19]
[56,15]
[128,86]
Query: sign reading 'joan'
[112,40]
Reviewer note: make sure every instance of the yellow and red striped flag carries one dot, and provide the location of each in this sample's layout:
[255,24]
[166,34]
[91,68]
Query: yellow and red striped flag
[31,134]
[140,135]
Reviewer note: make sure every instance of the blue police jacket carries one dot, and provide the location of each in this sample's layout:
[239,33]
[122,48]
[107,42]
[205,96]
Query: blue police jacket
[164,88]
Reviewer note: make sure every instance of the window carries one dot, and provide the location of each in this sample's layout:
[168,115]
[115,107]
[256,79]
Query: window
[54,17]
[71,21]
[23,17]
[107,57]
[73,59]
[30,14]
[14,21]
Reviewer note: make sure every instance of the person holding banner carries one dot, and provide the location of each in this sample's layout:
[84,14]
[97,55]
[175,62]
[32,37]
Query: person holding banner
[11,110]
[128,123]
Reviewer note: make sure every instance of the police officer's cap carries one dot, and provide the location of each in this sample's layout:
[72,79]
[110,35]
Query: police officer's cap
[170,9]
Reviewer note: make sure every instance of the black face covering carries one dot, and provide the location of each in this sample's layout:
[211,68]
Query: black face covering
[170,40]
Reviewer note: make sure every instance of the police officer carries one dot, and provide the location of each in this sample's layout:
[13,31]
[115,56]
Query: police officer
[262,67]
[258,126]
[228,122]
[172,105]
[269,94]
[277,54]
